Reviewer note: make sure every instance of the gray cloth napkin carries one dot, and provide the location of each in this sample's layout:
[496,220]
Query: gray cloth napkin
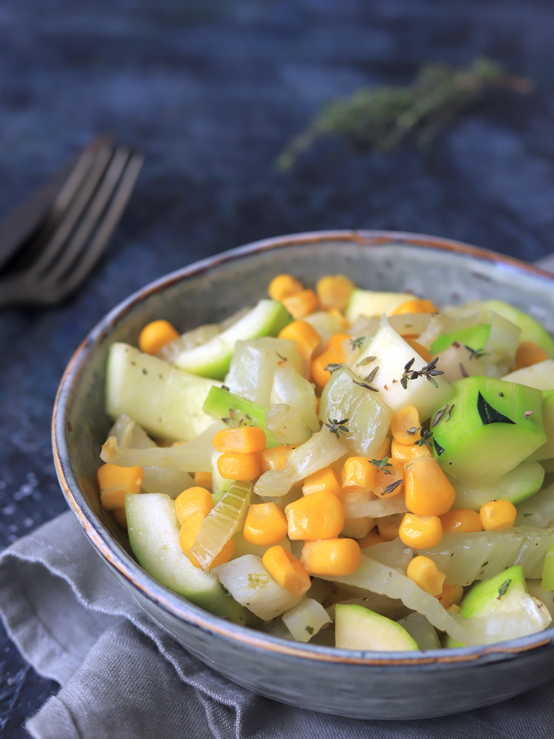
[123,677]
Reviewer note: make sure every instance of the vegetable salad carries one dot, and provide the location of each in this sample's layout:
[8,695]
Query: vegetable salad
[342,466]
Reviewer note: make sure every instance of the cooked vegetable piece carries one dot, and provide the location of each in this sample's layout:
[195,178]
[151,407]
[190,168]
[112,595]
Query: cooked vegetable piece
[517,485]
[251,585]
[475,337]
[165,401]
[225,518]
[373,303]
[212,359]
[540,376]
[466,557]
[154,539]
[489,428]
[194,455]
[403,377]
[368,418]
[306,619]
[360,629]
[531,330]
[419,628]
[236,411]
[322,449]
[503,608]
[254,362]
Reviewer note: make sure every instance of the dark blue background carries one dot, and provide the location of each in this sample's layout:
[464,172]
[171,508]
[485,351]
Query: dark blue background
[211,91]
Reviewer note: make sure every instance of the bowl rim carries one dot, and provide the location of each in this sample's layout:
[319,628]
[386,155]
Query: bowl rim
[140,581]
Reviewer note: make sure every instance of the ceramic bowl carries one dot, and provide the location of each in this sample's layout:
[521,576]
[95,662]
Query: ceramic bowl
[360,684]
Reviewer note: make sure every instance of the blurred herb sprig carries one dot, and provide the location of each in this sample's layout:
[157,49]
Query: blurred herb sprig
[382,118]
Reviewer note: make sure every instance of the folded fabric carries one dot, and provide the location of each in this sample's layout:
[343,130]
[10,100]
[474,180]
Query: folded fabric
[121,676]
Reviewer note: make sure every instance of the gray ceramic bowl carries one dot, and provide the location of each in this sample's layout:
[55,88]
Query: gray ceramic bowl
[357,684]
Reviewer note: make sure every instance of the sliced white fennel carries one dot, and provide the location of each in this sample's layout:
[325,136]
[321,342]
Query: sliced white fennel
[225,518]
[192,456]
[306,619]
[251,585]
[321,450]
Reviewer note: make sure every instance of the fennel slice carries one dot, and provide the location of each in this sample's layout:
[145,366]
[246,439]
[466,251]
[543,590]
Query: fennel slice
[379,578]
[225,518]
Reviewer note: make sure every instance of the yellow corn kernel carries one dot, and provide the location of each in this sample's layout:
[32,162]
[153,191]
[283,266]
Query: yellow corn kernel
[188,533]
[287,570]
[425,573]
[529,353]
[404,453]
[405,425]
[462,520]
[265,524]
[388,526]
[156,335]
[417,347]
[357,528]
[371,539]
[416,305]
[243,440]
[498,514]
[358,475]
[237,466]
[420,532]
[454,608]
[316,516]
[331,557]
[451,595]
[203,479]
[334,291]
[388,480]
[116,482]
[306,337]
[191,501]
[318,372]
[336,341]
[324,479]
[427,490]
[120,516]
[301,304]
[276,457]
[283,286]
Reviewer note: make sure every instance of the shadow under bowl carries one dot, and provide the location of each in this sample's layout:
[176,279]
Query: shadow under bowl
[375,685]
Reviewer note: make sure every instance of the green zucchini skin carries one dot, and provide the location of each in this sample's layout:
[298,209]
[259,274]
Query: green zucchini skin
[488,428]
[154,538]
[164,400]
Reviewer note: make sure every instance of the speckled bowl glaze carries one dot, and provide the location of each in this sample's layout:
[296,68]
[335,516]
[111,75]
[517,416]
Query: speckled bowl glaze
[373,685]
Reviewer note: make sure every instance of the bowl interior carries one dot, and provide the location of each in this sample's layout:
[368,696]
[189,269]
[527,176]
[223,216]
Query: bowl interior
[446,272]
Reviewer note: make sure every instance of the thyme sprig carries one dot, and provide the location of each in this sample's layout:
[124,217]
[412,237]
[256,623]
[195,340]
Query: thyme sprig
[391,488]
[338,427]
[381,465]
[425,438]
[382,118]
[333,367]
[367,380]
[430,371]
[357,343]
[475,353]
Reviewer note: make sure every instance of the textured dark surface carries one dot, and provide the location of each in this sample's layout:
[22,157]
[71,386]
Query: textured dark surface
[211,91]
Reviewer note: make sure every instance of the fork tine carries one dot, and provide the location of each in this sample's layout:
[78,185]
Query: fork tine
[108,224]
[86,242]
[89,217]
[48,247]
[90,239]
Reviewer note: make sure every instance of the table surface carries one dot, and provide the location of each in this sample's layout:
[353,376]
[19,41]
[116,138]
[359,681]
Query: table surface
[211,92]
